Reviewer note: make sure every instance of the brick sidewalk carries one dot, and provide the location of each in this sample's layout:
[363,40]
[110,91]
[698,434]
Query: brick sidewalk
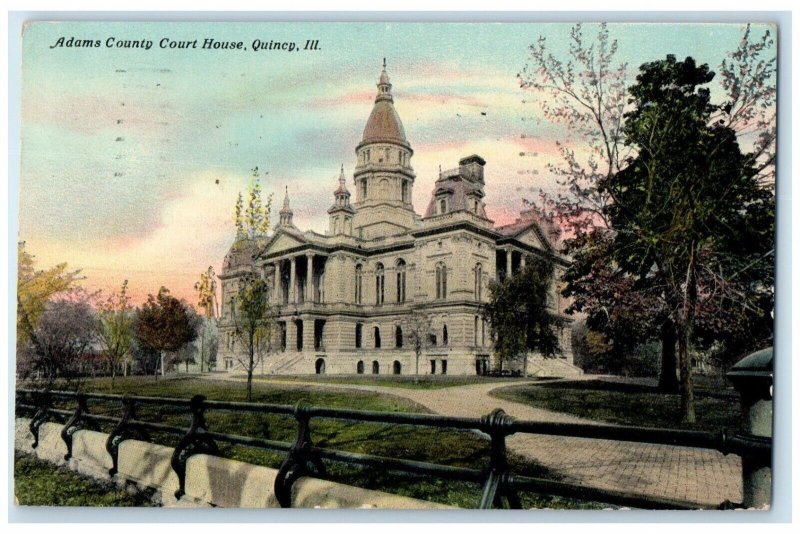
[697,476]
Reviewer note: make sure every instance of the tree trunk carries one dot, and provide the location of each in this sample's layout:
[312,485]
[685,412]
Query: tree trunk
[525,366]
[113,375]
[667,378]
[687,388]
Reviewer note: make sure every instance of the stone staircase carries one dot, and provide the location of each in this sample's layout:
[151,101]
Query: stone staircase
[553,367]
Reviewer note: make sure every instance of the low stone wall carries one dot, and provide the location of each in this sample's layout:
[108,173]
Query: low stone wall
[210,480]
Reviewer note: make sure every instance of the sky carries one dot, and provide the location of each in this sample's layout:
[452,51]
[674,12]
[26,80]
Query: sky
[132,159]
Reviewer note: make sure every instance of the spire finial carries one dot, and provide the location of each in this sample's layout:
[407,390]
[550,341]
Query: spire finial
[286,197]
[384,63]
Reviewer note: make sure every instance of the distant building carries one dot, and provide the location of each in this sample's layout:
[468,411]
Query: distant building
[344,297]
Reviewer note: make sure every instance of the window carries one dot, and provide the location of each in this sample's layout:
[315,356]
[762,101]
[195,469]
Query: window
[376,368]
[433,367]
[441,281]
[376,332]
[442,206]
[401,281]
[444,335]
[444,367]
[396,367]
[359,281]
[379,284]
[478,282]
[299,329]
[359,334]
[476,331]
[398,337]
[282,326]
[360,367]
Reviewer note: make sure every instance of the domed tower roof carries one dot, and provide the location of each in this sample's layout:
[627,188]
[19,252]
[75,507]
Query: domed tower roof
[384,125]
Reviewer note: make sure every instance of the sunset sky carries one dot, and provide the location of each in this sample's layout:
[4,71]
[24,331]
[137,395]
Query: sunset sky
[132,159]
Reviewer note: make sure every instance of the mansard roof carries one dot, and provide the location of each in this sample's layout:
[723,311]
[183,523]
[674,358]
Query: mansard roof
[458,191]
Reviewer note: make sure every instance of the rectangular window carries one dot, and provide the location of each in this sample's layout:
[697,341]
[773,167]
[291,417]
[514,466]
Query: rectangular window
[444,367]
[433,367]
[359,333]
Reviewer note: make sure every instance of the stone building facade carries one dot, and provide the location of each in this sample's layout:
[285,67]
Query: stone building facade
[350,301]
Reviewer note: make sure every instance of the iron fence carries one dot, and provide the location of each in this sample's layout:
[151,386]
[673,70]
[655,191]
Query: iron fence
[500,485]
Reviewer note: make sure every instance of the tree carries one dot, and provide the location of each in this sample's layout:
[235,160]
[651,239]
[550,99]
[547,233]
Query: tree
[165,324]
[417,329]
[587,93]
[520,313]
[186,355]
[61,341]
[253,324]
[252,221]
[682,206]
[116,320]
[209,343]
[35,289]
[206,289]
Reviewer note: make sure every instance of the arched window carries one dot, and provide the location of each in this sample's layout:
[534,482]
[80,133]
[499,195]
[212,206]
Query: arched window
[398,336]
[478,282]
[379,284]
[476,330]
[376,368]
[442,206]
[396,367]
[359,283]
[401,281]
[359,334]
[377,334]
[441,281]
[360,367]
[320,366]
[444,335]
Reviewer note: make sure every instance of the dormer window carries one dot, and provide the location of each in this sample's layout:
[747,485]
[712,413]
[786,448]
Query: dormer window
[442,206]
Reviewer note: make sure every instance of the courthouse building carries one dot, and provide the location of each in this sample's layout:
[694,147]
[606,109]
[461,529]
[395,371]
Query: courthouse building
[345,299]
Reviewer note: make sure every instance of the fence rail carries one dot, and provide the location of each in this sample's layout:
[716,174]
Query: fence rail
[304,459]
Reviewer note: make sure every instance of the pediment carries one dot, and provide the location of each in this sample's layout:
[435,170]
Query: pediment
[282,241]
[533,237]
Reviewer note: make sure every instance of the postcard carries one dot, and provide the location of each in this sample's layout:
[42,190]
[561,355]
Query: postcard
[396,265]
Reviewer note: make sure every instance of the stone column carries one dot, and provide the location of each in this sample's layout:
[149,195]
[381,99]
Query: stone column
[309,289]
[522,262]
[752,378]
[308,335]
[291,335]
[293,280]
[509,263]
[276,285]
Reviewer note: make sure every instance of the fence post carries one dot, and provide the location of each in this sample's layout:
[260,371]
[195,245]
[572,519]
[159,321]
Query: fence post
[752,378]
[196,441]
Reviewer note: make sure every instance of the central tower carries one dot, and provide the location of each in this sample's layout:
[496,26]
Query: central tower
[383,175]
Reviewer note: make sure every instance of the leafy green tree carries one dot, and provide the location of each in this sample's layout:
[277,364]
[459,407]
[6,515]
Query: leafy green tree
[682,207]
[252,221]
[165,324]
[116,318]
[35,288]
[254,325]
[520,313]
[586,92]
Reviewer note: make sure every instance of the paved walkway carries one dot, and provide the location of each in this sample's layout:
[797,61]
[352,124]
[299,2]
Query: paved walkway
[698,476]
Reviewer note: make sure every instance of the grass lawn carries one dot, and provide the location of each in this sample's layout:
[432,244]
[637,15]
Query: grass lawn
[38,483]
[448,447]
[716,406]
[409,382]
